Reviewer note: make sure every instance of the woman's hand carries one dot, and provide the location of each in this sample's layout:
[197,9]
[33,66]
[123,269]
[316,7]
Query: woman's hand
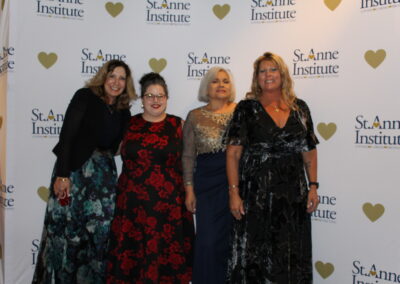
[61,187]
[312,200]
[236,204]
[190,199]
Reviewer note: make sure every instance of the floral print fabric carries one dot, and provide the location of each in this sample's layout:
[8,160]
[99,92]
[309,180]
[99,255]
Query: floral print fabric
[152,232]
[75,237]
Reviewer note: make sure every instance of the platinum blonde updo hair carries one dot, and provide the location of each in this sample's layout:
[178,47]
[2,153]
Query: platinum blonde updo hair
[208,78]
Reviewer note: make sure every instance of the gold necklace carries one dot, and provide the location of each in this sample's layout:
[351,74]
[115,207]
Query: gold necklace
[276,108]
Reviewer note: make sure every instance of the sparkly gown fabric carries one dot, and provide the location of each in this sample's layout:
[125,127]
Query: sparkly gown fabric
[204,160]
[152,233]
[272,242]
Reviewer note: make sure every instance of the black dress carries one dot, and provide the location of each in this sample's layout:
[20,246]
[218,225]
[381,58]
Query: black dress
[152,232]
[272,242]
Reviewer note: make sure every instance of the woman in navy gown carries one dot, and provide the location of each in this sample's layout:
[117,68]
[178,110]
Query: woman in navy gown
[205,180]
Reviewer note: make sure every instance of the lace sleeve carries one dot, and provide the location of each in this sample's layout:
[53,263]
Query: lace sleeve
[189,149]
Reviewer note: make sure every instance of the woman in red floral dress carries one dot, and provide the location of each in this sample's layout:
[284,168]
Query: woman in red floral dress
[152,232]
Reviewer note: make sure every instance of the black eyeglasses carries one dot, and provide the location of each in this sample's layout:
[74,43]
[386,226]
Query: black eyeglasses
[151,96]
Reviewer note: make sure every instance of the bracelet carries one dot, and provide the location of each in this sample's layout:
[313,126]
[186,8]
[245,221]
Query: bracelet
[233,186]
[188,183]
[313,183]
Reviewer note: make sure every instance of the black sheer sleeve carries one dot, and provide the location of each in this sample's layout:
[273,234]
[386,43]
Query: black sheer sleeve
[72,120]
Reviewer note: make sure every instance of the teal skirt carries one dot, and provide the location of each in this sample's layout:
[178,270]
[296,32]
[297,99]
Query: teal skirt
[75,236]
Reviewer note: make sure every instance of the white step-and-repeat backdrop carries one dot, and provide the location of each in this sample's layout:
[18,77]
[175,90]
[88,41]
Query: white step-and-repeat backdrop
[343,54]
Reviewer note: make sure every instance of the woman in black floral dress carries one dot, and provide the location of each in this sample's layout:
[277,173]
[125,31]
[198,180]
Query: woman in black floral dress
[152,232]
[271,149]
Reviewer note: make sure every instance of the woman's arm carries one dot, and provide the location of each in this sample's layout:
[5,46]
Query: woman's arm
[233,154]
[311,164]
[188,157]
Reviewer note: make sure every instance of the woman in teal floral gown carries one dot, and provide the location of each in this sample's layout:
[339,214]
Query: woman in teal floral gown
[82,196]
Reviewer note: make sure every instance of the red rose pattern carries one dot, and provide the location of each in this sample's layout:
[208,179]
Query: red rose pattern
[152,232]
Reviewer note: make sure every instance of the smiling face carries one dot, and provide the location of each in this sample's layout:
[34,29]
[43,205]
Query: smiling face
[269,76]
[220,87]
[115,84]
[154,103]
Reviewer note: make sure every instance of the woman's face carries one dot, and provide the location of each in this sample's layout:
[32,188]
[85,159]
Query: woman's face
[154,101]
[269,77]
[220,87]
[115,83]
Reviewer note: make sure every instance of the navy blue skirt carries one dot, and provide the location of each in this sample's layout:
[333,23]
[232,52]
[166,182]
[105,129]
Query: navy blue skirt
[213,219]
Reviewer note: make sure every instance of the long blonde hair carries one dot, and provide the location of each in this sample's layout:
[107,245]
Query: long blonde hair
[96,84]
[288,95]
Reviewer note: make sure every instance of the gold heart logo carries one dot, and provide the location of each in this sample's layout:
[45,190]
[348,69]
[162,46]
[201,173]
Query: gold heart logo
[332,4]
[157,65]
[47,60]
[204,60]
[374,59]
[311,56]
[324,269]
[269,2]
[221,11]
[373,212]
[373,273]
[114,9]
[376,124]
[1,121]
[164,5]
[43,193]
[326,130]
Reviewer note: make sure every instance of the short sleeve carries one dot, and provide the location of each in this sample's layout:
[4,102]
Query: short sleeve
[236,133]
[311,138]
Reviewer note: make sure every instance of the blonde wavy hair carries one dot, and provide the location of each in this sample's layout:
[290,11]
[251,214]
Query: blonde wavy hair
[96,84]
[288,95]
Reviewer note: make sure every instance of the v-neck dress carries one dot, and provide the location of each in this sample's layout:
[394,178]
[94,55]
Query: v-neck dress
[272,242]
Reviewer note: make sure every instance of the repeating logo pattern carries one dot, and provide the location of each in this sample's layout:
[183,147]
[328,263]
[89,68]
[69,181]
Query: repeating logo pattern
[326,130]
[157,65]
[6,196]
[43,193]
[324,269]
[6,59]
[372,273]
[375,58]
[313,63]
[377,132]
[167,12]
[373,212]
[47,59]
[46,124]
[114,9]
[272,11]
[376,5]
[221,11]
[332,4]
[62,9]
